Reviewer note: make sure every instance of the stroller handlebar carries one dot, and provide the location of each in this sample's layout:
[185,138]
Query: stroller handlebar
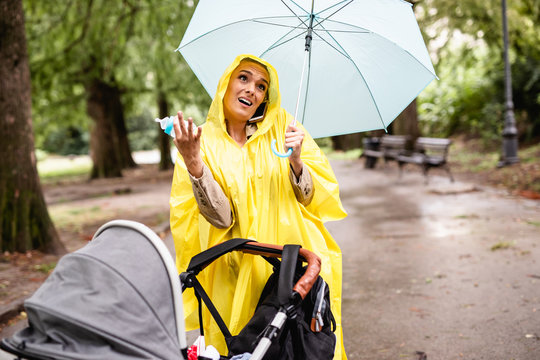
[304,284]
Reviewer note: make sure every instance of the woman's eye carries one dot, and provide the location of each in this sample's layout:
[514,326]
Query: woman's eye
[262,87]
[243,77]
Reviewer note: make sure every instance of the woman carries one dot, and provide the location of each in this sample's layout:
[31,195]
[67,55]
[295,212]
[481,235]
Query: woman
[227,183]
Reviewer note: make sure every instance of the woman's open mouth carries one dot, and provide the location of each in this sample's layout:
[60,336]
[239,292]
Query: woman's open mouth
[244,101]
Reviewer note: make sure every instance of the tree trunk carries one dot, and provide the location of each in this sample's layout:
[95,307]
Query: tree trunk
[346,142]
[25,223]
[107,162]
[407,122]
[119,127]
[165,161]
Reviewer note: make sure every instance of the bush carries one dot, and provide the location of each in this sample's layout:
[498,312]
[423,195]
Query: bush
[66,141]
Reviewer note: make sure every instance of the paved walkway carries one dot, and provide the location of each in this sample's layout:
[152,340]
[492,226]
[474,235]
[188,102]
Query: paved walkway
[449,270]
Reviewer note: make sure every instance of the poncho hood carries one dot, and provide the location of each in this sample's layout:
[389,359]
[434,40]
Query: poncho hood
[215,116]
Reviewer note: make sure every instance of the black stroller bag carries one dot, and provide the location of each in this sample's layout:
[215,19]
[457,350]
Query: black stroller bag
[307,330]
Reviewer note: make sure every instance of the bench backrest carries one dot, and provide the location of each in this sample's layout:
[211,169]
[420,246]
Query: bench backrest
[433,146]
[394,141]
[393,145]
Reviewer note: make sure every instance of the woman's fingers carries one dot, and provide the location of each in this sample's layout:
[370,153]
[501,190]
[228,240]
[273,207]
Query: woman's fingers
[182,124]
[176,124]
[294,138]
[186,129]
[193,131]
[190,127]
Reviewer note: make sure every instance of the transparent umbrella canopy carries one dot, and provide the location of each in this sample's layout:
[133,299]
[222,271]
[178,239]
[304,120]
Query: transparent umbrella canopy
[344,66]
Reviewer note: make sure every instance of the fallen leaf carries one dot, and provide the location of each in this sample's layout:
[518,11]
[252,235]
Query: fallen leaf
[529,194]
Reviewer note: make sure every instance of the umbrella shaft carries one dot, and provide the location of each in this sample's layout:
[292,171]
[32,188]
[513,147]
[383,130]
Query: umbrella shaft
[300,88]
[309,35]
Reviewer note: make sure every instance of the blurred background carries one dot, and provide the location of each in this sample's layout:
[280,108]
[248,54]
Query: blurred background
[101,71]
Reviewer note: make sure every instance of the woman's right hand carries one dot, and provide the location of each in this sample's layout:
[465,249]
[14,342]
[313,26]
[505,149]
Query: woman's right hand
[188,142]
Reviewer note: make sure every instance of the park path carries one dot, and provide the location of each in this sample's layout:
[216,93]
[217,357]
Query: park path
[448,270]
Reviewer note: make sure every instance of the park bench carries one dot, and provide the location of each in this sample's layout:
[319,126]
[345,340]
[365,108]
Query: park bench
[388,147]
[427,153]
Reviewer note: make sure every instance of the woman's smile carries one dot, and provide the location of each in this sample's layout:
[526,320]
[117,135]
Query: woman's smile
[244,101]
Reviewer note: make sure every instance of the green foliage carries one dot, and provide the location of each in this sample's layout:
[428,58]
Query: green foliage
[143,132]
[65,141]
[526,91]
[463,100]
[466,41]
[128,44]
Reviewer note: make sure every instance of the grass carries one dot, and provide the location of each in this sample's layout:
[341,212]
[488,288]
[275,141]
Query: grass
[469,157]
[502,245]
[73,219]
[55,168]
[464,216]
[45,268]
[344,155]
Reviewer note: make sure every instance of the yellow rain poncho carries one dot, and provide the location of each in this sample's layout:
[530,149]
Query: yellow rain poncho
[264,209]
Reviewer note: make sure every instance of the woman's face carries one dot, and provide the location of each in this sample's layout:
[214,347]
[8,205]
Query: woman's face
[246,91]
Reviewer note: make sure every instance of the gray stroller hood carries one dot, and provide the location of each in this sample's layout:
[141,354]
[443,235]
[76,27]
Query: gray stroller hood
[119,297]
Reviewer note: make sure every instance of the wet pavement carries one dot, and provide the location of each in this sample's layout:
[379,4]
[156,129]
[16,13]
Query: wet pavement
[445,270]
[438,271]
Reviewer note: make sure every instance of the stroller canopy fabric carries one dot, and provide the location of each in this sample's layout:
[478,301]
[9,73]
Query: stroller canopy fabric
[113,299]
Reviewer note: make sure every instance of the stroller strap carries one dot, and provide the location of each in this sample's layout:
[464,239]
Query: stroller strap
[203,259]
[191,281]
[289,264]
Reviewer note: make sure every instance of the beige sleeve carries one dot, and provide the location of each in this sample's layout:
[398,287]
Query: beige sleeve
[302,186]
[213,203]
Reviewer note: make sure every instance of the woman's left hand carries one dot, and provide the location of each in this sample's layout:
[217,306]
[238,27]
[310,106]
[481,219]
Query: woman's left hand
[294,137]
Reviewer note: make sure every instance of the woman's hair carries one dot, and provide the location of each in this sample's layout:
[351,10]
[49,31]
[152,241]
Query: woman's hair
[256,62]
[247,59]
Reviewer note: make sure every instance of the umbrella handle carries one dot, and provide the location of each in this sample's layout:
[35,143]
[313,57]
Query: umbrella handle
[274,150]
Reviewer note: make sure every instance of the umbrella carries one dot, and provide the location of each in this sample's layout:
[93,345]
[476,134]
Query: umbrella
[344,66]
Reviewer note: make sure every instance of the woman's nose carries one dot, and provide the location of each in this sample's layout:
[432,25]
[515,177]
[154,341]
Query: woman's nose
[250,88]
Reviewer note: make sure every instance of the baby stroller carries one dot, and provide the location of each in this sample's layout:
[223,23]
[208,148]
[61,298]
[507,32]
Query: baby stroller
[290,322]
[119,297]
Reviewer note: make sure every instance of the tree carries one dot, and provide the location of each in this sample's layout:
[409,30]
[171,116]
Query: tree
[25,222]
[164,143]
[468,33]
[109,61]
[407,122]
[100,107]
[79,45]
[173,85]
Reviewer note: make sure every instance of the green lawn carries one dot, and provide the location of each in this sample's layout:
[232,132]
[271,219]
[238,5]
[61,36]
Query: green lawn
[54,168]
